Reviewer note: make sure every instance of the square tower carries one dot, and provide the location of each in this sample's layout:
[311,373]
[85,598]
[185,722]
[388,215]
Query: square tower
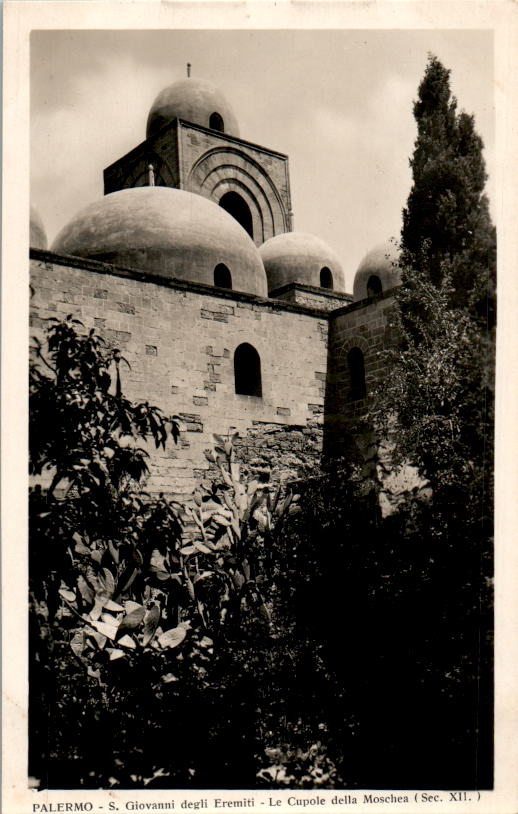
[193,144]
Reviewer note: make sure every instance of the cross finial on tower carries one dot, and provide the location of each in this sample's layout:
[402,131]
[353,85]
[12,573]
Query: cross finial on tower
[188,70]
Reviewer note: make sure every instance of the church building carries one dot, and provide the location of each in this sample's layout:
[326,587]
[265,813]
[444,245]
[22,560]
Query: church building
[227,317]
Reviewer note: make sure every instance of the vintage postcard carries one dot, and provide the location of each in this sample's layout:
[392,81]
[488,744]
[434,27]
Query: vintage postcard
[259,399]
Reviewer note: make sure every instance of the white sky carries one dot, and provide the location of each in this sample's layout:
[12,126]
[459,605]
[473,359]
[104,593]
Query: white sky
[339,103]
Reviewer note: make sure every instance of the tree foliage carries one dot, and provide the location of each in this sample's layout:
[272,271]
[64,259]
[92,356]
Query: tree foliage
[446,223]
[146,615]
[80,431]
[437,399]
[434,411]
[401,607]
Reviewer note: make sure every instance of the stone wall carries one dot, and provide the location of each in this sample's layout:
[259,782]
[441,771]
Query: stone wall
[365,325]
[179,339]
[282,452]
[312,296]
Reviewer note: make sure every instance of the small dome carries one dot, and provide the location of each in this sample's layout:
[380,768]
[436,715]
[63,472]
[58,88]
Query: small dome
[296,257]
[37,234]
[195,101]
[166,231]
[377,272]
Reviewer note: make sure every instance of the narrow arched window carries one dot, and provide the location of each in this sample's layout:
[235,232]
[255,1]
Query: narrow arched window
[222,276]
[326,278]
[247,371]
[236,206]
[216,122]
[356,364]
[374,286]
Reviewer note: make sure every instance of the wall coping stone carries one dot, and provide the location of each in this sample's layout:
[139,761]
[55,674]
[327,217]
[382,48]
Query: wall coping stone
[177,124]
[227,137]
[312,289]
[98,267]
[355,306]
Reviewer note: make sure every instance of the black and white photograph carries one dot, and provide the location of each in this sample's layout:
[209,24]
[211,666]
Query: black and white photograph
[259,469]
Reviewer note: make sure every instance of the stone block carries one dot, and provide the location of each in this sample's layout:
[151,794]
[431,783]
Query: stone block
[190,417]
[125,308]
[36,321]
[217,316]
[190,427]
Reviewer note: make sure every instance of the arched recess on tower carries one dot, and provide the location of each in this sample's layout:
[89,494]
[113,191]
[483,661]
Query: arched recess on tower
[224,170]
[233,203]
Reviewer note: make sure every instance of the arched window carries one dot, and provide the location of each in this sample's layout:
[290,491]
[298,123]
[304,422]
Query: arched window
[222,276]
[236,206]
[247,371]
[374,286]
[326,278]
[216,122]
[356,364]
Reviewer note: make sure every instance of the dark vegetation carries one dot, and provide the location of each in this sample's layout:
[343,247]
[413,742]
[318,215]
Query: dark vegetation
[258,637]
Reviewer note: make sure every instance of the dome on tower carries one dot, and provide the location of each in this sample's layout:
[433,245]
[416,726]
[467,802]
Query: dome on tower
[196,101]
[377,272]
[297,257]
[37,234]
[166,231]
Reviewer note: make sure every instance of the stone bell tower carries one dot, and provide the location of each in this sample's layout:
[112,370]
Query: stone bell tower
[192,143]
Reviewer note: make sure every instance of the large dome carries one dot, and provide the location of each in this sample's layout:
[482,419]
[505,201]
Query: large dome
[37,234]
[195,101]
[169,232]
[297,257]
[377,272]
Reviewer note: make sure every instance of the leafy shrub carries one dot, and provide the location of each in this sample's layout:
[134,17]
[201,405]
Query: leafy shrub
[144,604]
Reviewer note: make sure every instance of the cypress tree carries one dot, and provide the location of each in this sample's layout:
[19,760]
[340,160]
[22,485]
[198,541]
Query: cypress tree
[438,395]
[446,224]
[435,404]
